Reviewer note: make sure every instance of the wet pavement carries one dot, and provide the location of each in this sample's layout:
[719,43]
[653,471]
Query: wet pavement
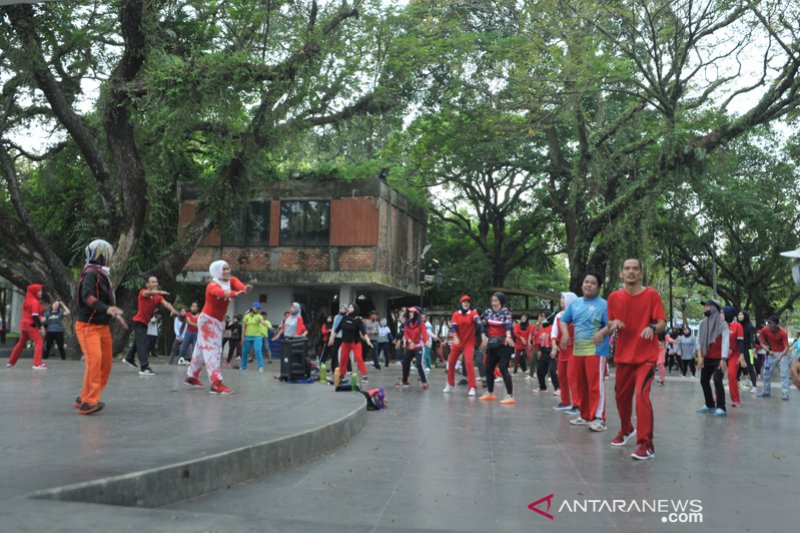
[430,462]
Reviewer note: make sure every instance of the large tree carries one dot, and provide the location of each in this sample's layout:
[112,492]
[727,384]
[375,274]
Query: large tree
[140,94]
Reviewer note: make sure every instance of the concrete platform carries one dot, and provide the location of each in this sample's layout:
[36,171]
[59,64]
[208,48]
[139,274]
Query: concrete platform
[159,441]
[430,462]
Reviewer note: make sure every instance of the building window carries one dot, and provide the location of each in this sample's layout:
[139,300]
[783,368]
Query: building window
[249,226]
[305,223]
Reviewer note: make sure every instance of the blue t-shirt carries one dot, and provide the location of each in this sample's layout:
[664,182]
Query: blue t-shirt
[587,317]
[794,353]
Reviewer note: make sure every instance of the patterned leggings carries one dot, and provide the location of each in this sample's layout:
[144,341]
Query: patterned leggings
[208,349]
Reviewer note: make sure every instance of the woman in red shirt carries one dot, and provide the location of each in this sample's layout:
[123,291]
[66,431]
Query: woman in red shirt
[208,349]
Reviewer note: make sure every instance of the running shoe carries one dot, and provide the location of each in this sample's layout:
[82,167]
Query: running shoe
[508,400]
[447,389]
[488,397]
[498,380]
[785,397]
[644,453]
[720,412]
[705,409]
[193,382]
[763,395]
[621,439]
[425,386]
[147,371]
[598,425]
[401,384]
[77,403]
[753,390]
[261,370]
[90,409]
[130,363]
[220,388]
[736,404]
[562,407]
[528,378]
[40,367]
[182,362]
[472,392]
[9,365]
[364,379]
[539,390]
[557,392]
[579,422]
[573,412]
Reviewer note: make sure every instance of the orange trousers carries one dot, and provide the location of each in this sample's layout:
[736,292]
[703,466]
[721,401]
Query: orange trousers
[95,341]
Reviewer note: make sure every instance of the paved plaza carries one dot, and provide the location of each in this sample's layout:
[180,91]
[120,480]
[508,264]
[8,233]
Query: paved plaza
[430,462]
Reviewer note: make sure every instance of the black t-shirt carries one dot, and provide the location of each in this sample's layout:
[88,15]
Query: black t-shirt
[350,327]
[235,329]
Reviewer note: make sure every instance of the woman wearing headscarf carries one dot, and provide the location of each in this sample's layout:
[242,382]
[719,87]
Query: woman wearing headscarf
[96,308]
[465,325]
[523,332]
[208,350]
[565,366]
[714,344]
[749,342]
[29,326]
[293,325]
[414,336]
[353,333]
[736,358]
[499,345]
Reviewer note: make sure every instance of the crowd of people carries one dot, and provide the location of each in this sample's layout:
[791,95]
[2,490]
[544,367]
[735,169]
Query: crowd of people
[570,349]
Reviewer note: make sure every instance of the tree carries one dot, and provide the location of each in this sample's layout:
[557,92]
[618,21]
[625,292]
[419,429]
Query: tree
[199,91]
[740,215]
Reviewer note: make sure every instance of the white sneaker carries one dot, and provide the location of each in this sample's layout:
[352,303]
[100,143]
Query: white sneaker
[579,422]
[498,380]
[40,367]
[597,425]
[447,388]
[528,377]
[557,392]
[428,370]
[472,392]
[458,365]
[182,361]
[753,390]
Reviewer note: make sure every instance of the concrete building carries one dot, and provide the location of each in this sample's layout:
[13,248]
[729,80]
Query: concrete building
[317,243]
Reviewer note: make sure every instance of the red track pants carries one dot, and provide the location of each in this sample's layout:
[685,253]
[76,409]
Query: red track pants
[589,373]
[33,334]
[354,347]
[469,363]
[633,378]
[733,379]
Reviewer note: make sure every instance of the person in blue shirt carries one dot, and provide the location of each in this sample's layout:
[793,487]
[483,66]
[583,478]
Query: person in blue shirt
[588,315]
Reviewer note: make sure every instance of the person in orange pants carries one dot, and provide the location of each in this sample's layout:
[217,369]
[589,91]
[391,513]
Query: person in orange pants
[565,380]
[735,359]
[96,308]
[32,311]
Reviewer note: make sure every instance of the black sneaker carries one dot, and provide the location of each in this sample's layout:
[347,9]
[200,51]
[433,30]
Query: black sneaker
[89,409]
[130,363]
[147,371]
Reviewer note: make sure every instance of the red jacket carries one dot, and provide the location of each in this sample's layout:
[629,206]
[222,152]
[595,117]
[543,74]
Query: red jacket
[415,333]
[31,307]
[463,325]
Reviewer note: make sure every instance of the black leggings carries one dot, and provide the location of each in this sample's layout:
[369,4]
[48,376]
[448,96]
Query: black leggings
[499,358]
[58,337]
[687,364]
[520,359]
[545,364]
[407,357]
[711,368]
[751,371]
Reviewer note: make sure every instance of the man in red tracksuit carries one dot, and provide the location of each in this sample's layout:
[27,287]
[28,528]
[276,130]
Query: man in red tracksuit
[636,313]
[32,313]
[463,325]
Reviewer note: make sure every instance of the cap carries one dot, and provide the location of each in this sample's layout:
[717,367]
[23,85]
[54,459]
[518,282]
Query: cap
[257,305]
[465,298]
[712,301]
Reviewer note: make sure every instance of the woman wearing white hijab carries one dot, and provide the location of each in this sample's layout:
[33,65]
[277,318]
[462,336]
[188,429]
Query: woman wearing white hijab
[208,349]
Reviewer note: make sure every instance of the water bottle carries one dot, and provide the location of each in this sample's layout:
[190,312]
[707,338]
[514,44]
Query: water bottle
[323,373]
[353,381]
[336,377]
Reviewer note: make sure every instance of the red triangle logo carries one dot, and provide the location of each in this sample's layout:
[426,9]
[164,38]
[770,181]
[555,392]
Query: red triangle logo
[534,506]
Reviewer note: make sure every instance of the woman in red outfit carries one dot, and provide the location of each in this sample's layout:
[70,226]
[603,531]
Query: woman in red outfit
[32,311]
[208,350]
[464,325]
